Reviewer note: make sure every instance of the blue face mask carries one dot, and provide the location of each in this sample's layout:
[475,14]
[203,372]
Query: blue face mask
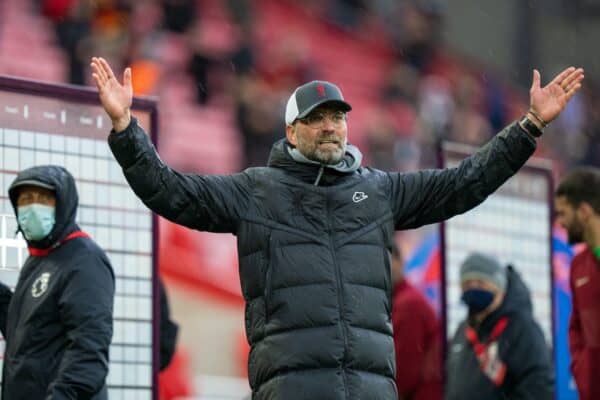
[477,299]
[36,220]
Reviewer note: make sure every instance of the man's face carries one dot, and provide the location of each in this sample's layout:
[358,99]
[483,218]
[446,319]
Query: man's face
[566,216]
[35,195]
[321,136]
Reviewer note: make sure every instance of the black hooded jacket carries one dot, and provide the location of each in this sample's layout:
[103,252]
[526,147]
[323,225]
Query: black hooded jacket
[521,347]
[58,322]
[313,247]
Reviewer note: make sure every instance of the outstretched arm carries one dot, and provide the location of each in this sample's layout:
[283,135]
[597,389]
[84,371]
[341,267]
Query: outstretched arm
[212,203]
[431,196]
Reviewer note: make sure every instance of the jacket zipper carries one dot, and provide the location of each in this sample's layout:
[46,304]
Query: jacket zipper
[338,276]
[388,262]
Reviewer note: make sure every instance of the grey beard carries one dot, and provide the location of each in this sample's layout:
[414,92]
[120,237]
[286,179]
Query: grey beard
[349,162]
[328,158]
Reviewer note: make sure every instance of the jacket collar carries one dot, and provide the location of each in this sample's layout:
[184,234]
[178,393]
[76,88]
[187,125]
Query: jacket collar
[285,156]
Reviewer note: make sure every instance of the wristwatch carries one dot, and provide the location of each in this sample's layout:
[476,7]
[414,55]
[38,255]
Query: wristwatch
[530,127]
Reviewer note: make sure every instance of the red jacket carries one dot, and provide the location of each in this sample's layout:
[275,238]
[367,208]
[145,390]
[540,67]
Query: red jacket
[584,327]
[417,341]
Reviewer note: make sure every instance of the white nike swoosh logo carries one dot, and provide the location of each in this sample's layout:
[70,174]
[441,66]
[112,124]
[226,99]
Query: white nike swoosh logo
[359,196]
[581,281]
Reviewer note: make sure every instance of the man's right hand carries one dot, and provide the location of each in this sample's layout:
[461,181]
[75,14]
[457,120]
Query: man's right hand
[116,98]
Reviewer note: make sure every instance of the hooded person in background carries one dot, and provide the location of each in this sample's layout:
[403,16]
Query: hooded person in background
[58,321]
[499,351]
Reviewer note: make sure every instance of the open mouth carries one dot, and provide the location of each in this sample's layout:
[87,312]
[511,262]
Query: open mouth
[329,141]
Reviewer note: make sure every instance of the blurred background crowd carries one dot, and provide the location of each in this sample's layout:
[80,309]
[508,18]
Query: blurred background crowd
[416,71]
[223,69]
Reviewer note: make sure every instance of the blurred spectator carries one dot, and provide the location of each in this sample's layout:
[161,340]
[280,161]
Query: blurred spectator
[241,13]
[388,150]
[578,211]
[257,122]
[287,63]
[179,15]
[401,84]
[417,339]
[200,64]
[72,21]
[468,124]
[381,140]
[112,28]
[435,114]
[347,13]
[109,34]
[589,127]
[144,38]
[498,351]
[496,101]
[243,58]
[418,32]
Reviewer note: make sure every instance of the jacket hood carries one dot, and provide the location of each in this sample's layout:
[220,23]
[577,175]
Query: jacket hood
[285,156]
[62,183]
[518,296]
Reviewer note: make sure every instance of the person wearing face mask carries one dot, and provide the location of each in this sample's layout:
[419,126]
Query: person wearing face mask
[499,351]
[577,205]
[57,323]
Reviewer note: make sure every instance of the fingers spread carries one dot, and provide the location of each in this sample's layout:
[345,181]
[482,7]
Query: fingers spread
[572,79]
[574,89]
[560,77]
[97,80]
[107,69]
[99,70]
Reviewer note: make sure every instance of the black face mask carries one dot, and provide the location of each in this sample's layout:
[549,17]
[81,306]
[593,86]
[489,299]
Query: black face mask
[477,299]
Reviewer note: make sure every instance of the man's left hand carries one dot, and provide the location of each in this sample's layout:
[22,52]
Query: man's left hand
[549,101]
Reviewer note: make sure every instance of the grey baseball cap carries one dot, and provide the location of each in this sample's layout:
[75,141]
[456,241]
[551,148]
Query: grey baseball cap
[484,267]
[311,95]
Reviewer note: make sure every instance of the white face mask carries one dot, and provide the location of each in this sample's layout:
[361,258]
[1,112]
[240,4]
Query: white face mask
[36,220]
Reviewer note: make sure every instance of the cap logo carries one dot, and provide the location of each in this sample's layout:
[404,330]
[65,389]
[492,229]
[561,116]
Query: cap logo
[321,90]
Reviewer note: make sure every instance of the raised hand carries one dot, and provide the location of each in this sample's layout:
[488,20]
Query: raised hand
[549,101]
[115,98]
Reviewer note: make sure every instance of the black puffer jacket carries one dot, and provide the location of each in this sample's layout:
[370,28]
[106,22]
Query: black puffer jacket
[58,322]
[521,347]
[313,258]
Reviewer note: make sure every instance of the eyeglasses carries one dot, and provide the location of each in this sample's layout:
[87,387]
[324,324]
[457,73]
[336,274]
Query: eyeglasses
[316,120]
